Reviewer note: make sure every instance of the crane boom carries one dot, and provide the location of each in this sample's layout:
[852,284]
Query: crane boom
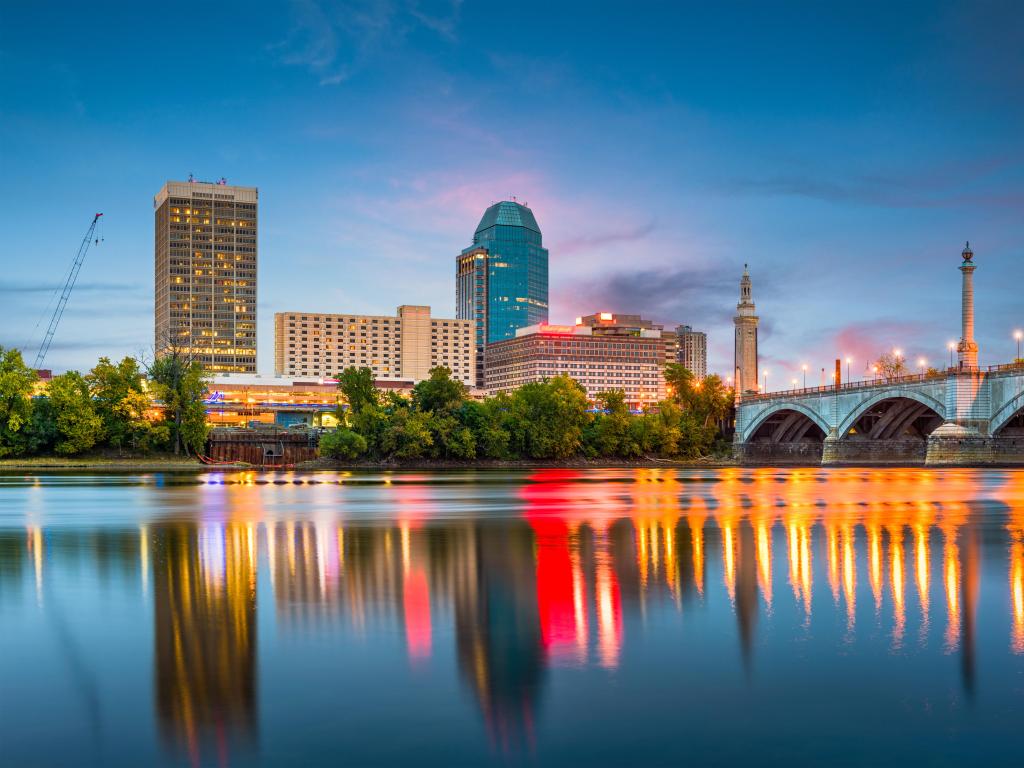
[69,283]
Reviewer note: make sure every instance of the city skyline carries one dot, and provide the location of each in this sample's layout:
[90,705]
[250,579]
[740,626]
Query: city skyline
[847,167]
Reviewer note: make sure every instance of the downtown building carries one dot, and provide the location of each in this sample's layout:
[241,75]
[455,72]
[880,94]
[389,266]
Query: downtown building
[400,347]
[205,274]
[601,356]
[692,350]
[502,278]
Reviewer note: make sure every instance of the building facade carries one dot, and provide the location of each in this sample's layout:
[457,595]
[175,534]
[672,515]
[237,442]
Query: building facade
[613,324]
[745,357]
[404,346]
[598,361]
[205,274]
[502,278]
[693,350]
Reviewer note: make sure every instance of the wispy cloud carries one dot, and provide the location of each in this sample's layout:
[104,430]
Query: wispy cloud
[669,295]
[7,287]
[605,237]
[335,40]
[946,185]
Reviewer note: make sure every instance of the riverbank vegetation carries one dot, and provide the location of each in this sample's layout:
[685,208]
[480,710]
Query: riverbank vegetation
[544,420]
[107,411]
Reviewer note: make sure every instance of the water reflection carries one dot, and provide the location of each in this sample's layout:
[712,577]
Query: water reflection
[567,580]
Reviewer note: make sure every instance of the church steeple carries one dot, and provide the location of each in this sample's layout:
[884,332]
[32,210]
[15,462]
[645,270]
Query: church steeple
[746,337]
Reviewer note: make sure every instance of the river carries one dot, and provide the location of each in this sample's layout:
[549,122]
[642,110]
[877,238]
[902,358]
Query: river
[620,617]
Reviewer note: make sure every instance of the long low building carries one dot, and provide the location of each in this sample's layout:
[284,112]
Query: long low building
[242,400]
[632,362]
[401,347]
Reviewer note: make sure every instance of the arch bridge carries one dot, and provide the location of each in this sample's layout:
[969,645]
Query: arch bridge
[960,417]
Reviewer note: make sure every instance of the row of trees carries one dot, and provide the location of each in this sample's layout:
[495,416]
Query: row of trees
[107,408]
[550,419]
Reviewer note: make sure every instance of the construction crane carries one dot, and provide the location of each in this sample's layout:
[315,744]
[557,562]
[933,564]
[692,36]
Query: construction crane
[69,283]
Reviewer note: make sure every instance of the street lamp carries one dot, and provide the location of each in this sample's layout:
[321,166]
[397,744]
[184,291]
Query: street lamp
[874,370]
[897,354]
[1018,335]
[848,361]
[921,363]
[952,347]
[765,381]
[804,366]
[793,382]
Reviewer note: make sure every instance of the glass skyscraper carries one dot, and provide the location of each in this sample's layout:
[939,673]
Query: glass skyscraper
[502,279]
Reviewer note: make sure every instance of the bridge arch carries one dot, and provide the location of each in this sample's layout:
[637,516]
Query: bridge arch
[786,405]
[1005,415]
[904,394]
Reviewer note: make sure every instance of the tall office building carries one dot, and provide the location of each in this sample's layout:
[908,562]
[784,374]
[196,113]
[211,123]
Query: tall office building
[502,278]
[693,350]
[206,273]
[745,358]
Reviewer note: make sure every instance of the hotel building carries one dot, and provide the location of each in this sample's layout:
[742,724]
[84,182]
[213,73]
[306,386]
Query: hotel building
[205,276]
[693,350]
[402,347]
[599,357]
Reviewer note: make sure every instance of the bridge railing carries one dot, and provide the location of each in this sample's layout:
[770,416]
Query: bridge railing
[880,381]
[1013,367]
[847,387]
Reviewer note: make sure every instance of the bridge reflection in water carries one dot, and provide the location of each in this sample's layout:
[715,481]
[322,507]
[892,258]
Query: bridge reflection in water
[564,580]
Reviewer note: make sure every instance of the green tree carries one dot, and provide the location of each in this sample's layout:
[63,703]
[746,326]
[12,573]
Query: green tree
[119,393]
[406,434]
[488,421]
[342,443]
[450,438]
[180,384]
[16,383]
[440,394]
[79,426]
[41,433]
[613,432]
[548,417]
[357,387]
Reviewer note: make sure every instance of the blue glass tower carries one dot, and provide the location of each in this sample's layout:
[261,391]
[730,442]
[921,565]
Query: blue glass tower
[502,279]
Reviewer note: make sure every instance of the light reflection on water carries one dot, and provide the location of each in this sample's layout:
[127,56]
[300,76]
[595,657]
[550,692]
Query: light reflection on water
[545,617]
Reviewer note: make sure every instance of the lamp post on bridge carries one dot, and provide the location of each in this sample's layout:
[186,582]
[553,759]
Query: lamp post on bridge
[952,348]
[804,366]
[765,390]
[1018,335]
[848,361]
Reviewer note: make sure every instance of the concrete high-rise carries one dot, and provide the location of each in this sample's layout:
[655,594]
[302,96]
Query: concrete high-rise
[401,347]
[502,278]
[693,350]
[206,256]
[745,360]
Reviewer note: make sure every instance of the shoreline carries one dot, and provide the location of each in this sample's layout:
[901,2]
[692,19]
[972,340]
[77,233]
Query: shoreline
[164,464]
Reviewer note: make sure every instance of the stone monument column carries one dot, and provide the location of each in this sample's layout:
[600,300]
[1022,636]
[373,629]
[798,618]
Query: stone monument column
[967,349]
[963,436]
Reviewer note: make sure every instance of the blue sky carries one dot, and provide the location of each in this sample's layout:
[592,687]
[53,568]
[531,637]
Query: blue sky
[844,150]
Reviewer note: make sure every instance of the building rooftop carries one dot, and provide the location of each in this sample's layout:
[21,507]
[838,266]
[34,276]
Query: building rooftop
[510,213]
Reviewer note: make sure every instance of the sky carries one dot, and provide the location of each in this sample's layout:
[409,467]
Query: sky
[845,151]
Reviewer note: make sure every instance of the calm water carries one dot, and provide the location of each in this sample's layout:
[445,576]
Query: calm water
[607,617]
